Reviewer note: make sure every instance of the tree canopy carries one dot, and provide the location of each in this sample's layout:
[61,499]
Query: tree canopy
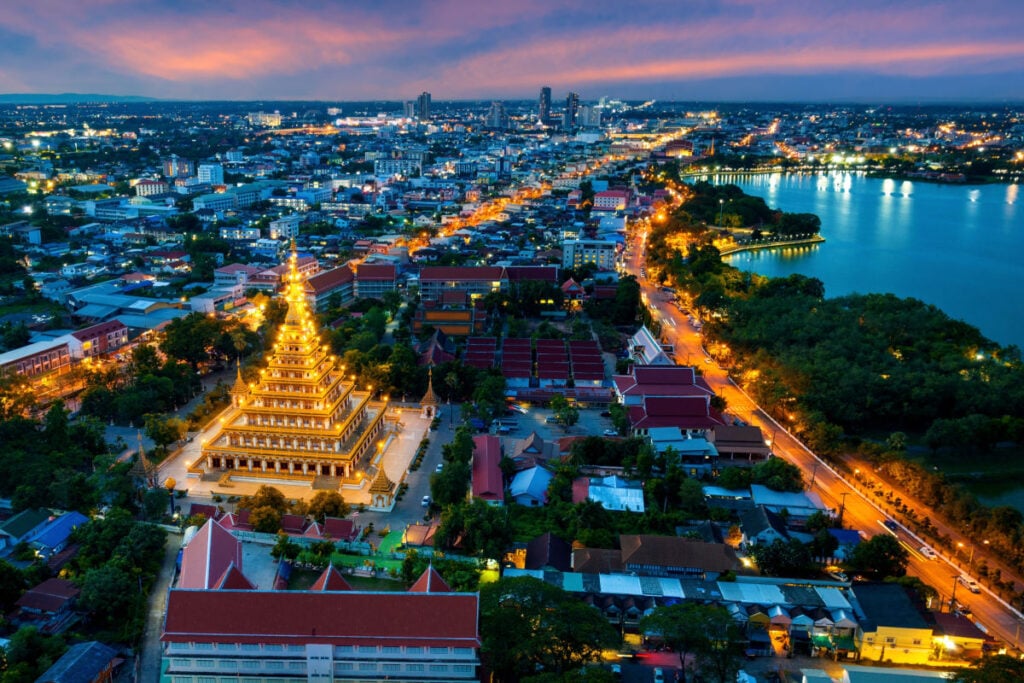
[528,626]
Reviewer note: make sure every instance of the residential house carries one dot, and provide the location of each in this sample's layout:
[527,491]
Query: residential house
[22,527]
[647,555]
[55,534]
[530,487]
[612,492]
[739,445]
[762,527]
[487,481]
[88,662]
[892,628]
[48,606]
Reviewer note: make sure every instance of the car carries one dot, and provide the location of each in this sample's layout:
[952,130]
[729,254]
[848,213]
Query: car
[610,432]
[425,502]
[659,675]
[969,583]
[708,361]
[928,552]
[839,576]
[439,468]
[891,525]
[517,408]
[616,670]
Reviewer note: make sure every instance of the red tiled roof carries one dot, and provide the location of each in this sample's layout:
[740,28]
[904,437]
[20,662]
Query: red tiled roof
[332,618]
[461,273]
[430,582]
[210,553]
[487,481]
[331,279]
[208,511]
[331,580]
[375,272]
[49,596]
[234,579]
[98,329]
[293,524]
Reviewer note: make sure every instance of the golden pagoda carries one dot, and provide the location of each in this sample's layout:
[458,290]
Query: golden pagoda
[303,418]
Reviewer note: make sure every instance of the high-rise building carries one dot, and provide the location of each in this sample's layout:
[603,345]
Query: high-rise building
[497,117]
[423,106]
[303,416]
[572,107]
[589,117]
[210,173]
[409,109]
[544,105]
[261,119]
[176,167]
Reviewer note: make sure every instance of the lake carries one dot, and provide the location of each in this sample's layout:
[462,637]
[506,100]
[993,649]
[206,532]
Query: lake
[958,247]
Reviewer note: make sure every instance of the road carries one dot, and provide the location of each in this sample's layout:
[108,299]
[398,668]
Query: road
[860,508]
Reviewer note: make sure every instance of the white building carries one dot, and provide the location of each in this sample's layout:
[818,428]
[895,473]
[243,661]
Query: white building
[599,252]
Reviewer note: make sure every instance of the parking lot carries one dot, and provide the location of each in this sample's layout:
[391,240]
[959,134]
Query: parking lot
[541,420]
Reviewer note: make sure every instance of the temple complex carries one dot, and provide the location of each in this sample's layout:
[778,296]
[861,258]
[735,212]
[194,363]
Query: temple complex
[303,418]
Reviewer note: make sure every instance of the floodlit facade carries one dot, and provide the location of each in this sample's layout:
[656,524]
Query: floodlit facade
[304,417]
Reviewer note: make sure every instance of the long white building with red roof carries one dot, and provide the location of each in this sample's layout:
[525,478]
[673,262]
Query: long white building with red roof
[218,628]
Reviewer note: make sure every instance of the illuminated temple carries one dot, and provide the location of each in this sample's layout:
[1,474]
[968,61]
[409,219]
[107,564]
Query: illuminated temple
[304,418]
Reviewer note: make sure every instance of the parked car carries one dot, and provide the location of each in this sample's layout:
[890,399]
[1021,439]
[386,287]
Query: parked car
[426,501]
[610,432]
[439,468]
[928,552]
[659,675]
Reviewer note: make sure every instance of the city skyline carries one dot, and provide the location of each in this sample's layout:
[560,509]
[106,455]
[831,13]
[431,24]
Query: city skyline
[727,51]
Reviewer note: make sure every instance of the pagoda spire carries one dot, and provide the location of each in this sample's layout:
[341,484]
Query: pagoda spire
[143,469]
[239,389]
[429,402]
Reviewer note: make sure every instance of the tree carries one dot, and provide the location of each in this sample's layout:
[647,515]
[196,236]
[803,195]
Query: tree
[994,669]
[707,632]
[165,430]
[527,626]
[566,413]
[327,504]
[12,584]
[265,496]
[784,558]
[778,475]
[880,556]
[285,548]
[109,593]
[265,519]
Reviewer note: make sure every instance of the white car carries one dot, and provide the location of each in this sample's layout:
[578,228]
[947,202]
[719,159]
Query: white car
[659,675]
[610,432]
[970,583]
[928,552]
[426,501]
[439,468]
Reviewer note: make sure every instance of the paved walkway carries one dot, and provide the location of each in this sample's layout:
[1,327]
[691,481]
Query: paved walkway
[149,657]
[399,451]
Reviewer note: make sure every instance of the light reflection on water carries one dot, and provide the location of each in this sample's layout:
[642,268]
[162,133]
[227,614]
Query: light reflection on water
[954,246]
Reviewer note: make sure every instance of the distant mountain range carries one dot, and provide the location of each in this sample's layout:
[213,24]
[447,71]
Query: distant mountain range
[68,98]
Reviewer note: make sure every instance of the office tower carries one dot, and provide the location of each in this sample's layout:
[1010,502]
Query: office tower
[423,106]
[409,109]
[572,106]
[496,116]
[544,106]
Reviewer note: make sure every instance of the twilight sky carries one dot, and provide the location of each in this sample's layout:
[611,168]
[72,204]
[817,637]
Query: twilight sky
[806,50]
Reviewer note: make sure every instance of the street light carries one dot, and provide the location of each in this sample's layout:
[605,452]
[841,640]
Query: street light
[721,208]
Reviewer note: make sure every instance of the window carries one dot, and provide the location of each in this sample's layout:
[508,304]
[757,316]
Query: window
[890,640]
[917,641]
[434,668]
[462,668]
[438,650]
[391,666]
[181,662]
[390,649]
[367,666]
[414,667]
